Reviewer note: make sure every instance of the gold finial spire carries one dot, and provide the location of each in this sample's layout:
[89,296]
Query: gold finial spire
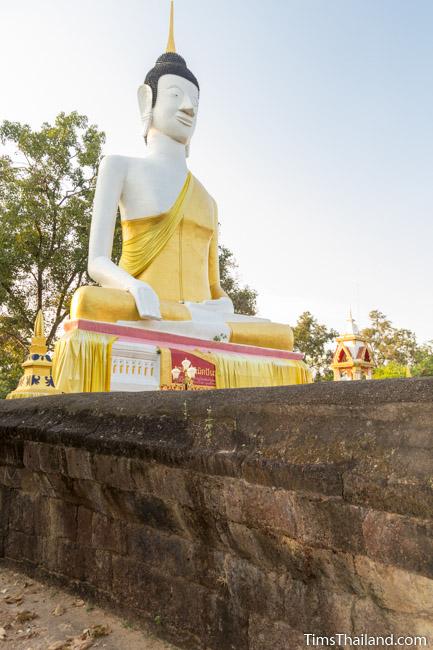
[353,326]
[39,324]
[171,47]
[36,380]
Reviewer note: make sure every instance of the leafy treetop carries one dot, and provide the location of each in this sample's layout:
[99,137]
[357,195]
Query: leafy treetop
[390,343]
[47,180]
[244,298]
[314,340]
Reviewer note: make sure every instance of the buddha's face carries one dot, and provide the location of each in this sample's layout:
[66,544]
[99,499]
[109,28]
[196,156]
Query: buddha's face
[175,110]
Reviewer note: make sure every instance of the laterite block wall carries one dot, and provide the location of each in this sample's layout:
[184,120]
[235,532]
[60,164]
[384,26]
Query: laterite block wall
[233,519]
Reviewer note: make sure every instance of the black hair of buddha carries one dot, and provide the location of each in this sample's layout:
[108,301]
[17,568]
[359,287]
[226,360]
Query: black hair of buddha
[168,63]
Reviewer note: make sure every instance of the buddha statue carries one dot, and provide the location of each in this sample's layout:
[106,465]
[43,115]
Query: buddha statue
[168,275]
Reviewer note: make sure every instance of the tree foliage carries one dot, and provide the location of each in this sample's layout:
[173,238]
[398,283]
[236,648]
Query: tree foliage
[424,361]
[390,343]
[391,370]
[244,298]
[47,180]
[424,368]
[314,339]
[396,351]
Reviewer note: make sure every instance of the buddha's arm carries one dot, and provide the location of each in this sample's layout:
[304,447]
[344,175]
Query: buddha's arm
[219,296]
[111,176]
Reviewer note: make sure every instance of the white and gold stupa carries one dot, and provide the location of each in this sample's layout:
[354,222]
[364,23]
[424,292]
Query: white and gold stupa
[164,302]
[37,380]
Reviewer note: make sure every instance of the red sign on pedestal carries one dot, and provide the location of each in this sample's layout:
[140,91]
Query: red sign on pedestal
[204,377]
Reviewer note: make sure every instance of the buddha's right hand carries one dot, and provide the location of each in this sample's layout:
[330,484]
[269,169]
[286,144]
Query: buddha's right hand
[146,300]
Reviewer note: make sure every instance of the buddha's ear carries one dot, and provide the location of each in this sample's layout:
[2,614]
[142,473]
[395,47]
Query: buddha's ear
[187,150]
[145,99]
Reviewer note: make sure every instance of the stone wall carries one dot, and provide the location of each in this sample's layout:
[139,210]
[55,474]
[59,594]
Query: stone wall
[231,519]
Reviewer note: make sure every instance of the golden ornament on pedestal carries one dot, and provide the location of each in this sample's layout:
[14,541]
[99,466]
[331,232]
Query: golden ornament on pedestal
[36,380]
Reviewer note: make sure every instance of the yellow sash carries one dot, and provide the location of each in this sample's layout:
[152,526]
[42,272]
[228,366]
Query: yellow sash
[139,251]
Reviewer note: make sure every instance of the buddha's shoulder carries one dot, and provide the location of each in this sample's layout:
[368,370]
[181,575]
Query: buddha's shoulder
[200,188]
[120,163]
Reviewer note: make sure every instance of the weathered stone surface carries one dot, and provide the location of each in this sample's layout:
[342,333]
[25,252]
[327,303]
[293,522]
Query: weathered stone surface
[368,618]
[21,514]
[108,534]
[11,453]
[79,463]
[62,519]
[400,541]
[21,546]
[231,520]
[14,477]
[268,635]
[113,471]
[395,494]
[5,498]
[394,589]
[98,568]
[179,605]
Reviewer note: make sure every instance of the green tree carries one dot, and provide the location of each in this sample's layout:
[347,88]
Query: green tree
[47,180]
[313,339]
[423,368]
[244,298]
[424,361]
[389,343]
[391,369]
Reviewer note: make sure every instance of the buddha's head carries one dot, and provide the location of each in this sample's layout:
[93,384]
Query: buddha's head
[169,97]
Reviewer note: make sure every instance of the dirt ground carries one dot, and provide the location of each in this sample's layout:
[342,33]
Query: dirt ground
[34,616]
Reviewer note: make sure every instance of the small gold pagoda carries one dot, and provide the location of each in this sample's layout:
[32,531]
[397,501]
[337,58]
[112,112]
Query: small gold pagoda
[353,358]
[36,380]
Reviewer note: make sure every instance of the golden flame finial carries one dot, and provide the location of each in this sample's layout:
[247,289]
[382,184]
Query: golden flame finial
[39,324]
[171,47]
[37,379]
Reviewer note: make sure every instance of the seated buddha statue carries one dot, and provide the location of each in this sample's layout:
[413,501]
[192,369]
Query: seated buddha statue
[167,278]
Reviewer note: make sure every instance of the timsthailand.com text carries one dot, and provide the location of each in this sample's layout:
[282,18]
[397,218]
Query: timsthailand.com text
[345,640]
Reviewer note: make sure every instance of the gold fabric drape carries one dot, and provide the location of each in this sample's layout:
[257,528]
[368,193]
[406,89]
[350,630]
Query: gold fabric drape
[82,362]
[165,368]
[139,250]
[243,371]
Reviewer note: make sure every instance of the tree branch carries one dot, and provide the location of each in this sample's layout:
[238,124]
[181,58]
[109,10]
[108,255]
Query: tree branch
[17,338]
[70,194]
[17,304]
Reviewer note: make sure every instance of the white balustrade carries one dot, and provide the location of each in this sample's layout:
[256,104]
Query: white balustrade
[134,367]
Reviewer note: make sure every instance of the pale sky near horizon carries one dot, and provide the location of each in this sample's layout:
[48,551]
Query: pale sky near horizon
[315,131]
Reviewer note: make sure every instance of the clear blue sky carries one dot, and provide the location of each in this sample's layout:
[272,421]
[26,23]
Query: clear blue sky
[315,131]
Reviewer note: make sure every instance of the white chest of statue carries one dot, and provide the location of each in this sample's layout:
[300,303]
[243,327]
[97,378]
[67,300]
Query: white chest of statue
[141,187]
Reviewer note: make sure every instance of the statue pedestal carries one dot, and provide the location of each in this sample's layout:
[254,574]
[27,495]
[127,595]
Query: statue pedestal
[93,356]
